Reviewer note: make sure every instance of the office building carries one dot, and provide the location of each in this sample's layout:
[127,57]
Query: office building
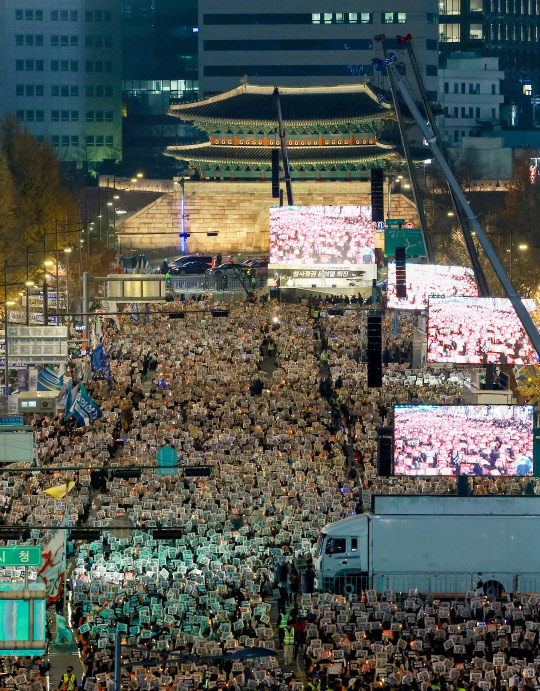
[60,74]
[470,94]
[309,44]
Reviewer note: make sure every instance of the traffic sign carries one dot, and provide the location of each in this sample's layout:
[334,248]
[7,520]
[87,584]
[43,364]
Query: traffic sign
[394,221]
[410,238]
[409,224]
[11,420]
[20,556]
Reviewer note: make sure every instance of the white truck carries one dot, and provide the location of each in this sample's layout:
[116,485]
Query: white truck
[437,544]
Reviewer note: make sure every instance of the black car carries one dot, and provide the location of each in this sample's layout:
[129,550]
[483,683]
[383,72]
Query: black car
[229,268]
[189,268]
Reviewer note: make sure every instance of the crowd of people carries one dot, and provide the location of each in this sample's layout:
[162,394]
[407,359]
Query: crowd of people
[477,331]
[335,235]
[270,404]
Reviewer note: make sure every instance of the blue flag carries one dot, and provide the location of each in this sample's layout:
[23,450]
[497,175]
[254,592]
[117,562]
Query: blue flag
[49,381]
[100,359]
[84,410]
[70,399]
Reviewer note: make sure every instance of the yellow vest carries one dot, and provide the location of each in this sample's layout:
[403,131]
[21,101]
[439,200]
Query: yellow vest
[69,682]
[289,637]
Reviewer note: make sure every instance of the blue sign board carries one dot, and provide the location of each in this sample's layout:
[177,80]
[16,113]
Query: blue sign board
[11,420]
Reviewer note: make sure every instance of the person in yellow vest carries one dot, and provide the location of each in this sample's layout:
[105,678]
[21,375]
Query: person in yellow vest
[282,626]
[289,644]
[68,681]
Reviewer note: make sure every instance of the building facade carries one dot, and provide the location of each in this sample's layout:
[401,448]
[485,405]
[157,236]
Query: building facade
[60,69]
[308,44]
[470,94]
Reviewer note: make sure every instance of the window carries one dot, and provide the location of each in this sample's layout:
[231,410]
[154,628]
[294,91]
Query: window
[316,18]
[74,140]
[456,111]
[108,65]
[55,90]
[99,116]
[74,65]
[109,115]
[38,15]
[476,33]
[432,18]
[446,88]
[354,544]
[74,90]
[74,116]
[55,140]
[19,90]
[462,87]
[55,65]
[527,89]
[89,140]
[477,89]
[19,40]
[493,114]
[327,17]
[450,6]
[40,90]
[29,65]
[387,18]
[89,16]
[39,65]
[476,6]
[98,16]
[64,15]
[456,136]
[89,116]
[353,17]
[29,89]
[494,89]
[478,112]
[19,14]
[98,42]
[55,40]
[64,65]
[29,15]
[64,40]
[19,65]
[340,18]
[89,91]
[74,15]
[54,15]
[99,91]
[29,116]
[108,16]
[366,18]
[55,115]
[431,70]
[335,545]
[40,115]
[401,17]
[471,114]
[109,141]
[65,140]
[98,65]
[29,40]
[89,65]
[463,112]
[64,90]
[39,39]
[99,140]
[89,41]
[64,115]
[108,91]
[471,88]
[20,114]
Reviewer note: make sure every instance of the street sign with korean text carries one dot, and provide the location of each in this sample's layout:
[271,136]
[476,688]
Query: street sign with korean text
[20,556]
[11,420]
[410,238]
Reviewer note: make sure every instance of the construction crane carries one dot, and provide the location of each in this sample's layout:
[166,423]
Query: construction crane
[431,140]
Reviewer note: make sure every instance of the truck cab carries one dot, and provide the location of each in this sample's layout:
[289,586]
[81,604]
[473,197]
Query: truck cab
[341,560]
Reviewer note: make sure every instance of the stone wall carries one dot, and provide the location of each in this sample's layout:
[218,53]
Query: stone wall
[238,211]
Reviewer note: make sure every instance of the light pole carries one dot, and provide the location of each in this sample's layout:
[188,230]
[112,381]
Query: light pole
[67,250]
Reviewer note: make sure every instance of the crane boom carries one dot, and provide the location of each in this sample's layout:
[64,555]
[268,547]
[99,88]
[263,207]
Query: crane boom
[515,299]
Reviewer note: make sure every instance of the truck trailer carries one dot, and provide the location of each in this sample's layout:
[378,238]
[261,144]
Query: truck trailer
[437,544]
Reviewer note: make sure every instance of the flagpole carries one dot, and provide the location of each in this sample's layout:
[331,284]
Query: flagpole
[66,521]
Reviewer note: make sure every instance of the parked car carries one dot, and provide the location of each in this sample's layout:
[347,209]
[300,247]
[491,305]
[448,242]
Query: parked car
[256,263]
[189,268]
[187,258]
[228,268]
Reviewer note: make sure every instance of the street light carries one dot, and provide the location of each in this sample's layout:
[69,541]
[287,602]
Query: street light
[67,250]
[523,247]
[450,213]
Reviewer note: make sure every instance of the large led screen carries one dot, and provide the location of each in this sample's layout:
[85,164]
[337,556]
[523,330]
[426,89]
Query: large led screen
[495,440]
[315,235]
[477,331]
[424,280]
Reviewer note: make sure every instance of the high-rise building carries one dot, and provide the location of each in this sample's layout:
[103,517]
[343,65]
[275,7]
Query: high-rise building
[159,40]
[60,67]
[506,29]
[306,43]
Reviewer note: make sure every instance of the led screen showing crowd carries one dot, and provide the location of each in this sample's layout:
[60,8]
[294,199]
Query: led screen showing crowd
[463,440]
[331,235]
[424,280]
[477,331]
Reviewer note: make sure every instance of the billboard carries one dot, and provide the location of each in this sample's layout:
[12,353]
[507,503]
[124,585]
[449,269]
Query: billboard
[477,331]
[494,440]
[321,245]
[424,280]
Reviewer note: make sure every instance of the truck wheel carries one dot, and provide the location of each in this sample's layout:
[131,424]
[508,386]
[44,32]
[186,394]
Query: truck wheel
[493,589]
[344,587]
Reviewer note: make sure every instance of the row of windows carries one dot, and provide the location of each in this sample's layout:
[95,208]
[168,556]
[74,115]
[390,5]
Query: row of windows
[305,18]
[523,7]
[512,32]
[451,33]
[63,65]
[64,40]
[64,140]
[454,6]
[291,44]
[467,112]
[63,90]
[64,15]
[473,88]
[65,115]
[296,70]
